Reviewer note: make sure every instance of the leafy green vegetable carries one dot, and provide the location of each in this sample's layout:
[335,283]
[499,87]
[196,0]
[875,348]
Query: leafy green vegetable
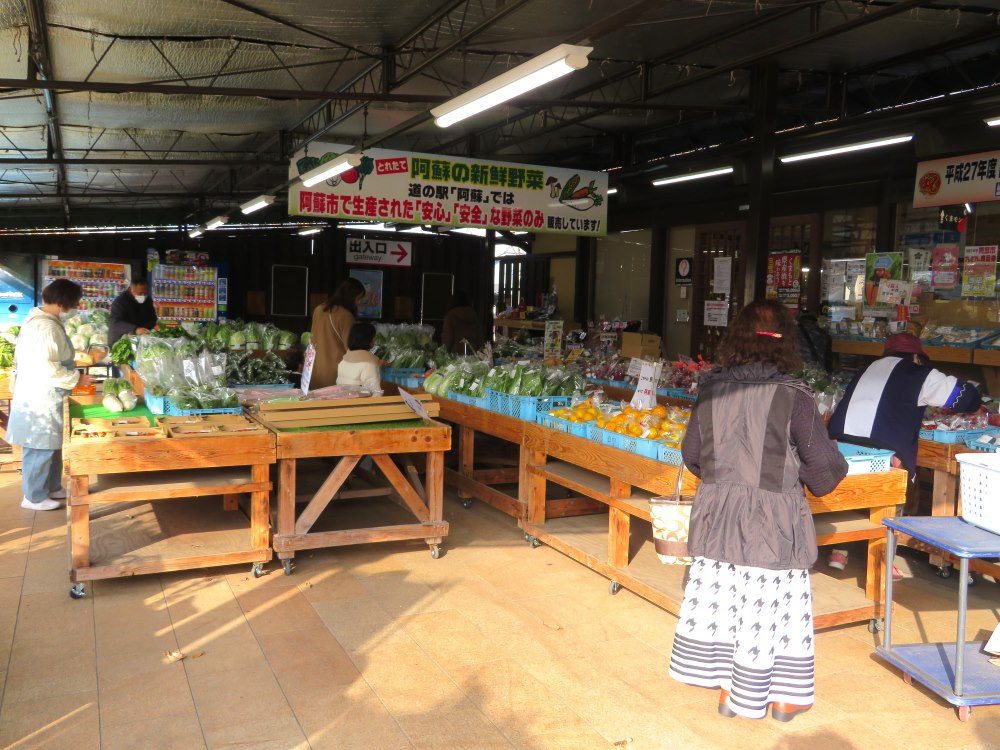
[123,352]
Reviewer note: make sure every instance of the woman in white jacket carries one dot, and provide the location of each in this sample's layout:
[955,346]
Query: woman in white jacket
[43,376]
[359,366]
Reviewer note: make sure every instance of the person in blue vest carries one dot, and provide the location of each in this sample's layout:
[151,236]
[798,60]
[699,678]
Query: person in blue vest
[884,404]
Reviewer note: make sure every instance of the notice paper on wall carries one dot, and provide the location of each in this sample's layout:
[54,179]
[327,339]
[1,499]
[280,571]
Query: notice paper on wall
[716,313]
[416,406]
[723,279]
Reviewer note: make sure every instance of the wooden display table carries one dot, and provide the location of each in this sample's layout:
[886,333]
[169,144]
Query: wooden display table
[614,547]
[478,483]
[5,399]
[957,354]
[137,517]
[294,532]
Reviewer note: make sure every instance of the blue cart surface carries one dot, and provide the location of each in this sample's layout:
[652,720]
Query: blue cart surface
[959,672]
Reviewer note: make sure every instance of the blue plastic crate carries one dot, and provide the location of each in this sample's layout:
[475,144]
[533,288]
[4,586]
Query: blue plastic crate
[161,405]
[562,425]
[864,460]
[667,455]
[410,381]
[523,407]
[398,374]
[952,436]
[984,447]
[479,403]
[637,445]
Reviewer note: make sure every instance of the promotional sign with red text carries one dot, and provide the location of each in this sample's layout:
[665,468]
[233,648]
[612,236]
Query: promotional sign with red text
[411,188]
[957,180]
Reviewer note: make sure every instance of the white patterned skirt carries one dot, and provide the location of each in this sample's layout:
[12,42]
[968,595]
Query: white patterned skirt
[748,631]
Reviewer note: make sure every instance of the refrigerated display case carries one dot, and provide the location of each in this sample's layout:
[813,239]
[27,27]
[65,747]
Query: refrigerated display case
[185,293]
[101,281]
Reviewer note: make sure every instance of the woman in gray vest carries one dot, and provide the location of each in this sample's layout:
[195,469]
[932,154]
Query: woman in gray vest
[755,439]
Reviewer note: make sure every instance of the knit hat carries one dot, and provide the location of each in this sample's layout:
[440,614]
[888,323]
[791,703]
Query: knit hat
[904,343]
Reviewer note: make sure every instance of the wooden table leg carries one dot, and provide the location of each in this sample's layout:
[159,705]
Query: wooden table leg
[260,511]
[619,527]
[875,574]
[531,487]
[79,524]
[466,454]
[285,523]
[943,503]
[435,489]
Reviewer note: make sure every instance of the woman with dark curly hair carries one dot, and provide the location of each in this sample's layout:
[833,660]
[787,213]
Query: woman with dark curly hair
[754,439]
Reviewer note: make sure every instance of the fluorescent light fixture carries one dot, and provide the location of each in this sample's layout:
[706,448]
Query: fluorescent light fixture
[536,72]
[310,230]
[331,169]
[995,122]
[968,208]
[612,191]
[692,176]
[218,221]
[256,204]
[196,232]
[864,145]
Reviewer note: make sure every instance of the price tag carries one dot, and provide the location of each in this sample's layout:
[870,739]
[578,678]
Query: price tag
[645,392]
[414,405]
[609,338]
[574,355]
[307,368]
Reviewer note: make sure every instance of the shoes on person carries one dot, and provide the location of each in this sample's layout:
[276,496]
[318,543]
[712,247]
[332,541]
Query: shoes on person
[59,494]
[787,711]
[724,708]
[47,504]
[837,559]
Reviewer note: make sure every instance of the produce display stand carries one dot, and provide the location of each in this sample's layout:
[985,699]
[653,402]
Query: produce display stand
[136,516]
[959,672]
[623,552]
[479,483]
[351,444]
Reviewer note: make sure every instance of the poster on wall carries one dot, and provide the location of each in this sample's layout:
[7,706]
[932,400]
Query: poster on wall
[414,188]
[944,267]
[920,266]
[722,281]
[892,292]
[682,271]
[784,270]
[979,277]
[880,267]
[371,306]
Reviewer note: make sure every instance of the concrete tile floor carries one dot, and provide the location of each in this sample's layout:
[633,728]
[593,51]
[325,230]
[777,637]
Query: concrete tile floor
[495,645]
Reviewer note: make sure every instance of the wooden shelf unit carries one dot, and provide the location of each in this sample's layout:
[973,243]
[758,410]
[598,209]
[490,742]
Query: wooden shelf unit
[612,545]
[120,524]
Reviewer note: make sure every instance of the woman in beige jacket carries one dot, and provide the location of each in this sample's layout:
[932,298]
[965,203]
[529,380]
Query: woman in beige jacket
[359,366]
[331,327]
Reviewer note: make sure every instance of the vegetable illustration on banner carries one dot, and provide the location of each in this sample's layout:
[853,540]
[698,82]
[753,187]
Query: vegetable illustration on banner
[879,266]
[405,187]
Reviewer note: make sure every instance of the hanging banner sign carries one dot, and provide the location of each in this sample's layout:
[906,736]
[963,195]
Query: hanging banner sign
[411,188]
[784,271]
[381,251]
[957,180]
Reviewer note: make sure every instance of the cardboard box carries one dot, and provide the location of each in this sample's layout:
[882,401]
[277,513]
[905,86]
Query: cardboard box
[641,345]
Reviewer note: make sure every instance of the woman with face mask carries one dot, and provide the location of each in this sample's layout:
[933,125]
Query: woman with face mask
[131,312]
[43,376]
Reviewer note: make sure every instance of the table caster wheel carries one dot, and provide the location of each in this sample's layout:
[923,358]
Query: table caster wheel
[467,503]
[436,551]
[944,571]
[257,570]
[287,566]
[533,541]
[964,712]
[614,587]
[875,625]
[77,591]
[908,679]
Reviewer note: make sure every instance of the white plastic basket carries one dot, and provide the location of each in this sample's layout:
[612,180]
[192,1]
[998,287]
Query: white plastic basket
[980,477]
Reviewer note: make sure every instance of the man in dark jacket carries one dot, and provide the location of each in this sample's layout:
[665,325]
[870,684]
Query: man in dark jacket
[461,323]
[131,312]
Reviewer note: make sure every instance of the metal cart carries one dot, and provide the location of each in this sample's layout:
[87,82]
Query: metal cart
[959,672]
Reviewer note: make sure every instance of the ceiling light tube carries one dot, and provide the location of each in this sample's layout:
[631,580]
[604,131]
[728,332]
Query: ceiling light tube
[846,149]
[216,222]
[536,72]
[331,169]
[995,122]
[310,230]
[196,232]
[692,176]
[612,191]
[256,204]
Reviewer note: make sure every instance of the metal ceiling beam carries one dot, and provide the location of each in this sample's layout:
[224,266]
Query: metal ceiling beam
[41,65]
[100,162]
